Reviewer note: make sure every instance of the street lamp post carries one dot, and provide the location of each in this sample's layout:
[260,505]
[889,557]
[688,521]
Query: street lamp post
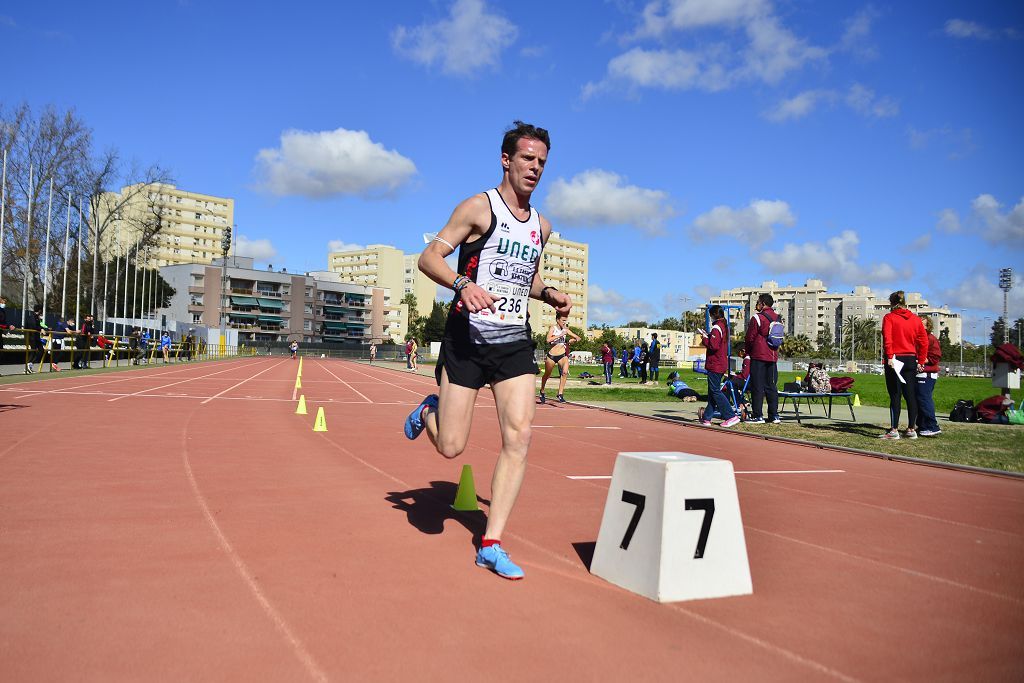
[225,246]
[961,342]
[1006,284]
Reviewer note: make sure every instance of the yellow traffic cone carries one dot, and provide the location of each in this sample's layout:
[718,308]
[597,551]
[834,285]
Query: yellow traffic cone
[856,400]
[301,409]
[298,382]
[321,421]
[465,497]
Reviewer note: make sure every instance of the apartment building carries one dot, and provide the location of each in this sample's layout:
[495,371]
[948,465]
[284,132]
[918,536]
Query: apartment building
[807,309]
[676,346]
[384,266]
[564,265]
[275,306]
[192,224]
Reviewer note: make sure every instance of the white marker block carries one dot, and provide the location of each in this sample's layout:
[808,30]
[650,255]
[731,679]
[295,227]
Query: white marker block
[671,528]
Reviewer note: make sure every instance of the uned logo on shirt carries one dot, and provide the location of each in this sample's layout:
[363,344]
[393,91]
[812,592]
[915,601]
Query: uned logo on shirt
[534,237]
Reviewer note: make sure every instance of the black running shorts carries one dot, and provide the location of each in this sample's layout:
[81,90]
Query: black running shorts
[474,365]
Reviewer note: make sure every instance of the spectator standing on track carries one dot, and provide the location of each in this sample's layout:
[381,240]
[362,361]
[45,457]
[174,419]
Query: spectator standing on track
[373,352]
[408,353]
[905,343]
[642,363]
[716,341]
[927,425]
[133,345]
[294,349]
[34,338]
[764,371]
[83,343]
[654,357]
[165,346]
[190,344]
[482,346]
[413,348]
[3,325]
[144,340]
[608,361]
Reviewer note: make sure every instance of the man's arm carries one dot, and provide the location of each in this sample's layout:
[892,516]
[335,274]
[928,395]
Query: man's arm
[560,301]
[469,217]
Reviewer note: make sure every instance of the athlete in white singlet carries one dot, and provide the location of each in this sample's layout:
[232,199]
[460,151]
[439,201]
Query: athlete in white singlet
[558,339]
[487,337]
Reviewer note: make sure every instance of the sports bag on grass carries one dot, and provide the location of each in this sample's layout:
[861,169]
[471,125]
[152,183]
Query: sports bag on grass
[964,411]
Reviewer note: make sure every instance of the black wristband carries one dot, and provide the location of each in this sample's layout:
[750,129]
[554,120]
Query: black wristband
[544,291]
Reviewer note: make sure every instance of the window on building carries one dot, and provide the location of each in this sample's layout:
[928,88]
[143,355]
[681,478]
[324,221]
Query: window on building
[307,325]
[199,216]
[197,318]
[309,309]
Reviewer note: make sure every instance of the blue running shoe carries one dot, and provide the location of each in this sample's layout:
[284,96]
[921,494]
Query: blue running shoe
[413,423]
[495,558]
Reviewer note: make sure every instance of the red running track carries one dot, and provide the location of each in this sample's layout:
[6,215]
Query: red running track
[182,523]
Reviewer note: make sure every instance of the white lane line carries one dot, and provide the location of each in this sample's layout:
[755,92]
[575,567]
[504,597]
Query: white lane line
[789,471]
[603,476]
[344,382]
[241,383]
[180,381]
[571,427]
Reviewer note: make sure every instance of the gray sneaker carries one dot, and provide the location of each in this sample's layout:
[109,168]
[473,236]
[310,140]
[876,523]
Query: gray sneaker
[929,432]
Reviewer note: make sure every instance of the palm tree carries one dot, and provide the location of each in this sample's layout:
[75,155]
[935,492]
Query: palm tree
[797,346]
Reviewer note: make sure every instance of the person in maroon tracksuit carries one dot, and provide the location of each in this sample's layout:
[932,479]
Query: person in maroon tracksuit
[764,371]
[904,340]
[716,340]
[927,375]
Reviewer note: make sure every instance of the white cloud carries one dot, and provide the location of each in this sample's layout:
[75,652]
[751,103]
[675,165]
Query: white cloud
[342,245]
[468,40]
[1005,229]
[922,242]
[863,100]
[608,306]
[961,28]
[261,250]
[754,223]
[956,143]
[834,259]
[859,98]
[949,221]
[328,163]
[856,37]
[799,105]
[766,51]
[979,290]
[596,197]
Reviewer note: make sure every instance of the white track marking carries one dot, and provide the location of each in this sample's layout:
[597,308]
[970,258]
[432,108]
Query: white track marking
[298,647]
[608,476]
[180,381]
[571,427]
[344,382]
[242,382]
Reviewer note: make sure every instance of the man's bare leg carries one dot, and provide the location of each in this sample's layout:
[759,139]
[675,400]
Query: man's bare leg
[516,406]
[455,412]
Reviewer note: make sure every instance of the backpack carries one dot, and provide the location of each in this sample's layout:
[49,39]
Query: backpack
[776,333]
[819,381]
[964,411]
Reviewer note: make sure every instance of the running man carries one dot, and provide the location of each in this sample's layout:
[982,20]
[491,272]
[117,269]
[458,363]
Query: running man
[487,337]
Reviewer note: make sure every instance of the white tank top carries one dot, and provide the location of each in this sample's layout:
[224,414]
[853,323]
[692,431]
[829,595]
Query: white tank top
[503,262]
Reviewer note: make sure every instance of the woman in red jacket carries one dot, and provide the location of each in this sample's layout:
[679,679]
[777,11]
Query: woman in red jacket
[906,345]
[927,425]
[717,364]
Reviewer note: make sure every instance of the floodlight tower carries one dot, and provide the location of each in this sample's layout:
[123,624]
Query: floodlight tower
[1006,284]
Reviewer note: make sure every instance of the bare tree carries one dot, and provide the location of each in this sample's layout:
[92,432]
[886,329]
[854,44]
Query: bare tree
[58,147]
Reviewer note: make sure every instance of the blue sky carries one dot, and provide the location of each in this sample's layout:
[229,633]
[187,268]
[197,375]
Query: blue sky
[696,146]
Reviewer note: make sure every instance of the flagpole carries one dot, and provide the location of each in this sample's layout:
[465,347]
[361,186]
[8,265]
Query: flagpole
[46,252]
[28,248]
[3,216]
[67,241]
[135,277]
[117,279]
[78,272]
[124,305]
